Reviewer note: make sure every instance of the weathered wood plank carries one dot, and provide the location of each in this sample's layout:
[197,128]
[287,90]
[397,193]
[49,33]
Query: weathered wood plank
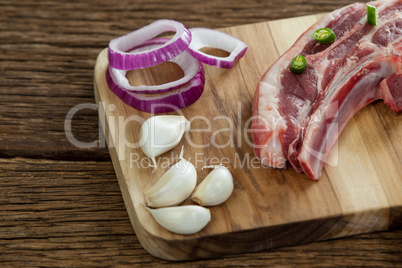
[48,50]
[47,53]
[63,213]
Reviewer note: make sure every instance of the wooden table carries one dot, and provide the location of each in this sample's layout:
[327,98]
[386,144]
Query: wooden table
[61,205]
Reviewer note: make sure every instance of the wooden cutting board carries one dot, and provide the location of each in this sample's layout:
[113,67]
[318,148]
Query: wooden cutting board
[360,190]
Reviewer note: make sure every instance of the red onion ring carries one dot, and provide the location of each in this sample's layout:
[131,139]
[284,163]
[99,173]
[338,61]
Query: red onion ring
[122,60]
[169,102]
[203,37]
[188,63]
[138,50]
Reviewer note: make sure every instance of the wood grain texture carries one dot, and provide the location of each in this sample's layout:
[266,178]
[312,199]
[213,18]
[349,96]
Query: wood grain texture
[63,213]
[62,204]
[268,208]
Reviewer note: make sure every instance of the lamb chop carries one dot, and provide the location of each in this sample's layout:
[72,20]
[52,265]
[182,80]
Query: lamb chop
[297,118]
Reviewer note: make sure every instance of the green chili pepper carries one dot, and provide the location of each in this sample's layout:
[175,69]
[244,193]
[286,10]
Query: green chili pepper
[372,15]
[324,35]
[298,65]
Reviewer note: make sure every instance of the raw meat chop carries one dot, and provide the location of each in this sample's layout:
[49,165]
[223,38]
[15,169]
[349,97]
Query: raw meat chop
[298,118]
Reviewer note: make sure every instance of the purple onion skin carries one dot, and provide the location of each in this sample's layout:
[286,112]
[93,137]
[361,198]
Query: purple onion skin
[160,41]
[164,103]
[144,60]
[123,60]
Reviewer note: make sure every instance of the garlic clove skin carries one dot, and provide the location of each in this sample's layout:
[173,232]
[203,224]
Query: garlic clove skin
[215,189]
[161,133]
[182,220]
[175,186]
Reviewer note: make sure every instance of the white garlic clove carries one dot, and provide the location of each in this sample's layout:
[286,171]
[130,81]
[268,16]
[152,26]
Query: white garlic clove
[175,186]
[182,220]
[215,188]
[161,133]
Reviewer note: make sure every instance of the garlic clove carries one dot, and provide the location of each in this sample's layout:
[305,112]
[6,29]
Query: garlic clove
[182,220]
[215,189]
[174,186]
[161,133]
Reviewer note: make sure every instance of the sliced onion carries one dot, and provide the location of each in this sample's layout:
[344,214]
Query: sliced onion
[119,58]
[168,102]
[138,50]
[203,37]
[188,63]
